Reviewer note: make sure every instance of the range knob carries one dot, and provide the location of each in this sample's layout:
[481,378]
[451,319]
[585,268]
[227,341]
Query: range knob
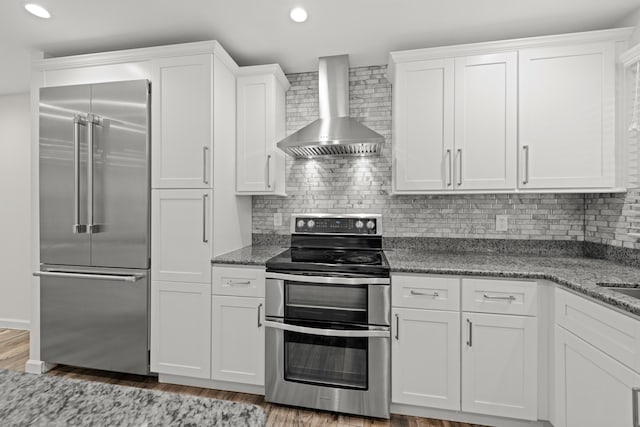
[311,223]
[300,223]
[371,225]
[359,224]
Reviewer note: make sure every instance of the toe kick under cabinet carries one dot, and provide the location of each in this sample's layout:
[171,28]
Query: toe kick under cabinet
[465,344]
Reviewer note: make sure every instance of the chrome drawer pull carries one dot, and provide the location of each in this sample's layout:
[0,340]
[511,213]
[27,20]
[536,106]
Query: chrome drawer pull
[509,298]
[428,294]
[369,333]
[113,277]
[238,282]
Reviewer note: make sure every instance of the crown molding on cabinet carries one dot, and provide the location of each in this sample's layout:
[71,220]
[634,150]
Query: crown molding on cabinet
[617,34]
[630,56]
[275,69]
[140,54]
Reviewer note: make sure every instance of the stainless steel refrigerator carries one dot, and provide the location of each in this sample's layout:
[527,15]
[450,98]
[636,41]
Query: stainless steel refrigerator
[95,226]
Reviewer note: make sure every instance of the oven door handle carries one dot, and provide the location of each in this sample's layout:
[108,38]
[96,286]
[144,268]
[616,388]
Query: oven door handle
[329,332]
[330,280]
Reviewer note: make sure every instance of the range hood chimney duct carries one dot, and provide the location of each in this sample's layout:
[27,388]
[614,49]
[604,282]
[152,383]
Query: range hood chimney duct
[334,133]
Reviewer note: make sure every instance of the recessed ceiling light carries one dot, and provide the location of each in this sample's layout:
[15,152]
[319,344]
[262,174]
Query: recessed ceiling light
[37,10]
[298,14]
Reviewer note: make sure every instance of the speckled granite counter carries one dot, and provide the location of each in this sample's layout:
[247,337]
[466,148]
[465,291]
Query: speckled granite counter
[578,273]
[249,255]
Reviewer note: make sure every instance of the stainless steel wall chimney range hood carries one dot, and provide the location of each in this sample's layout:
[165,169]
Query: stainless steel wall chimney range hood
[334,133]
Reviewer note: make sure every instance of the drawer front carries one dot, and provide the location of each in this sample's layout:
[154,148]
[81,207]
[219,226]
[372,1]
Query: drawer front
[499,296]
[609,331]
[423,291]
[245,281]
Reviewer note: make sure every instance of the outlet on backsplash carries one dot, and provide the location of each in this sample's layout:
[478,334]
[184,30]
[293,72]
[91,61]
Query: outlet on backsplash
[502,222]
[277,219]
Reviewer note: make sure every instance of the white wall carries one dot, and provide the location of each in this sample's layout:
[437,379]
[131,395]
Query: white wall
[632,20]
[15,207]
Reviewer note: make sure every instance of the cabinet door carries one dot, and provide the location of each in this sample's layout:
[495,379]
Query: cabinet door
[567,123]
[423,126]
[237,347]
[592,389]
[256,134]
[500,365]
[182,122]
[486,88]
[425,357]
[181,235]
[181,328]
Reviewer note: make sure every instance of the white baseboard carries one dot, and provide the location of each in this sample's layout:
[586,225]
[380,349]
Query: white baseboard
[38,366]
[15,324]
[213,384]
[463,417]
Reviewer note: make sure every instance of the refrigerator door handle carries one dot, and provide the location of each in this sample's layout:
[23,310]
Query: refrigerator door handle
[113,277]
[92,120]
[78,121]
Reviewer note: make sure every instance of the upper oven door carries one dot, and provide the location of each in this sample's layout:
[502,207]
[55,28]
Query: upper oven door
[328,299]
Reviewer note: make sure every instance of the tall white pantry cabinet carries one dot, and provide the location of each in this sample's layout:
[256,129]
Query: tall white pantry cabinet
[526,115]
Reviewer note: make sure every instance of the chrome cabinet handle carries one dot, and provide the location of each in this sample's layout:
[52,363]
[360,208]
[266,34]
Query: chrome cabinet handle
[238,282]
[329,280]
[428,294]
[77,227]
[470,340]
[509,298]
[367,333]
[128,278]
[205,175]
[525,149]
[450,180]
[635,391]
[204,218]
[259,311]
[397,327]
[269,171]
[459,166]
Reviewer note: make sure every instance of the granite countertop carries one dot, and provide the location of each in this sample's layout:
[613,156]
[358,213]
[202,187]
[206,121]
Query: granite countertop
[578,273]
[249,255]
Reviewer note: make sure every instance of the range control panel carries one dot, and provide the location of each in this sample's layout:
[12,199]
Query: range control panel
[360,224]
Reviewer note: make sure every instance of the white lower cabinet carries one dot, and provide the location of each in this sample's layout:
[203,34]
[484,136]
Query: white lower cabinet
[426,358]
[181,328]
[591,388]
[500,365]
[237,345]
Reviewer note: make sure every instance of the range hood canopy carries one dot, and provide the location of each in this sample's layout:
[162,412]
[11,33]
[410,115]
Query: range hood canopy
[334,133]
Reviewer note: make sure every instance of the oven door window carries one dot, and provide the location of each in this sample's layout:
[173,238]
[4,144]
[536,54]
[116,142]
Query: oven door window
[326,361]
[321,302]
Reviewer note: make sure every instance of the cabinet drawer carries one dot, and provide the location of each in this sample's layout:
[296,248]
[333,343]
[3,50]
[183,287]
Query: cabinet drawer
[246,281]
[609,331]
[499,296]
[420,291]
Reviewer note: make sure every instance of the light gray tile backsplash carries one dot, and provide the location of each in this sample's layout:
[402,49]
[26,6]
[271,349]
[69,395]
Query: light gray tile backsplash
[352,185]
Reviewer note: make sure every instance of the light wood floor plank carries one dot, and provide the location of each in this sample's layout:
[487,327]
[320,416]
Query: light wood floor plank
[14,353]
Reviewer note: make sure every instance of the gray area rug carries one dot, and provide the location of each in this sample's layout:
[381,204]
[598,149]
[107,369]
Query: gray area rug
[41,400]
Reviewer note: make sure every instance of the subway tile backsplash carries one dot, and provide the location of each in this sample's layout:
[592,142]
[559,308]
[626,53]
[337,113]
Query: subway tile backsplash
[353,185]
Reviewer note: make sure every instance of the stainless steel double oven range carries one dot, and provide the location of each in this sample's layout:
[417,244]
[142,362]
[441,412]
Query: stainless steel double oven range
[328,317]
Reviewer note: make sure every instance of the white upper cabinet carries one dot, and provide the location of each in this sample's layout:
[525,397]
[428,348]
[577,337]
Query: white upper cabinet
[567,116]
[524,115]
[182,122]
[260,167]
[423,126]
[486,88]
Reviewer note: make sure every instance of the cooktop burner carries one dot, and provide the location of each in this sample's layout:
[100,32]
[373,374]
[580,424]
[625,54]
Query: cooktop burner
[368,262]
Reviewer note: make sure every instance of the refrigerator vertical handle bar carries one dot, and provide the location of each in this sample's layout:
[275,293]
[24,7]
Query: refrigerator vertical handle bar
[90,173]
[77,227]
[635,391]
[204,218]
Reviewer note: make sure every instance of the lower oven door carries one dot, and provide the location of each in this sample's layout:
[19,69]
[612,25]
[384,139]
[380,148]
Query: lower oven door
[343,370]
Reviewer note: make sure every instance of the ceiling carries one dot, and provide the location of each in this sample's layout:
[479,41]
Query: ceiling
[260,31]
